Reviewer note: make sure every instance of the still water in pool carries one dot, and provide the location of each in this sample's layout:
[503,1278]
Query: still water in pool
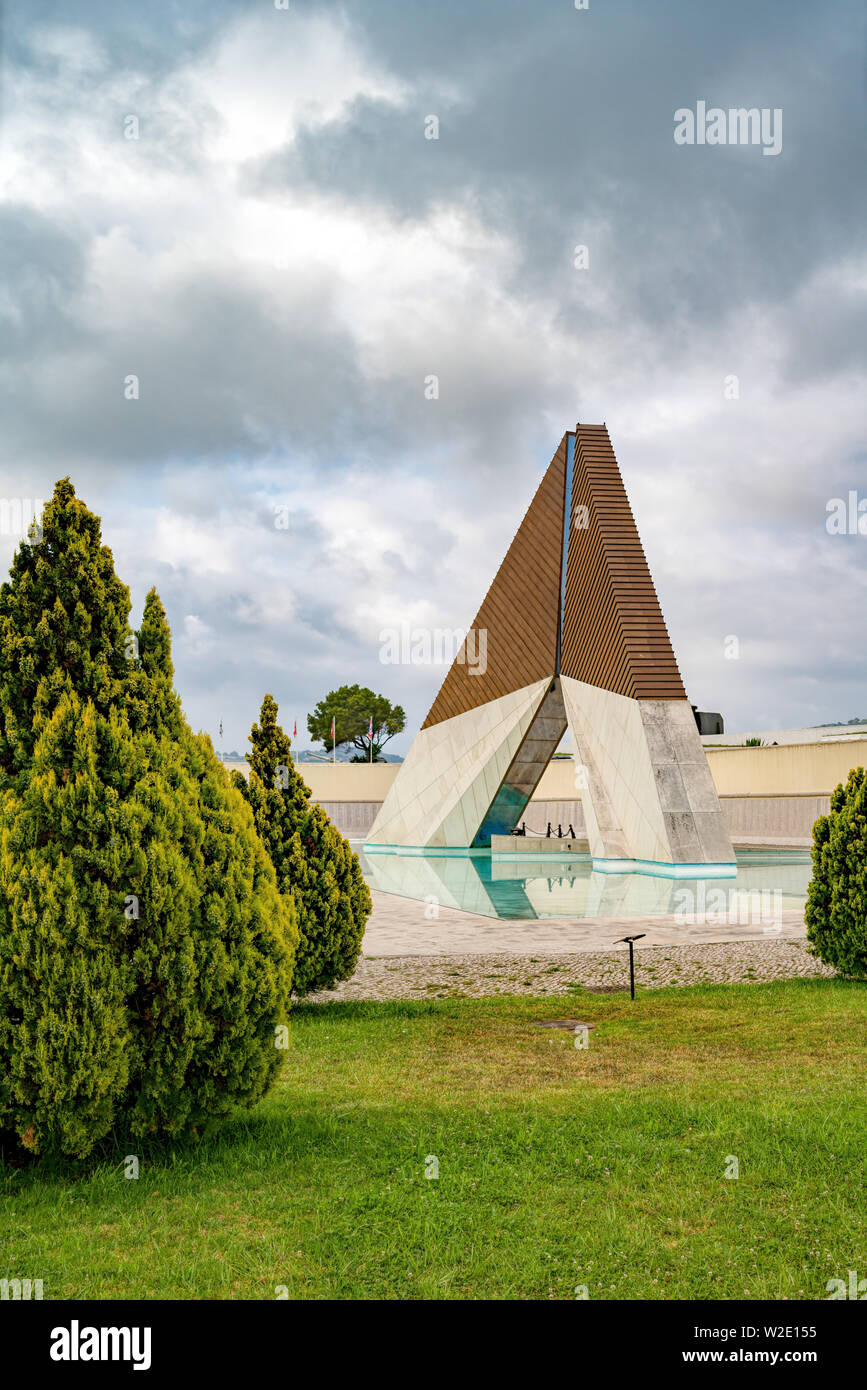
[522,888]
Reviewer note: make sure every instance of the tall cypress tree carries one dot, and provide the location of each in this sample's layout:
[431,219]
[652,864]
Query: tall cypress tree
[63,626]
[315,865]
[153,649]
[145,952]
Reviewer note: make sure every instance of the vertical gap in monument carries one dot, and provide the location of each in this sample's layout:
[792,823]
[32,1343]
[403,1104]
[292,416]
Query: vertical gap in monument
[525,770]
[564,557]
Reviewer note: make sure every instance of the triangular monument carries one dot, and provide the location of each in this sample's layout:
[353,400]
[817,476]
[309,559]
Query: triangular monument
[570,635]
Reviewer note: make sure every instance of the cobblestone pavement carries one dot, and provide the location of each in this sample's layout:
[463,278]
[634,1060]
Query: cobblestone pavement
[538,973]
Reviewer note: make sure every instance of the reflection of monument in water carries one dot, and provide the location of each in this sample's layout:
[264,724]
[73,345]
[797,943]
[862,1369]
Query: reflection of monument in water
[575,639]
[569,886]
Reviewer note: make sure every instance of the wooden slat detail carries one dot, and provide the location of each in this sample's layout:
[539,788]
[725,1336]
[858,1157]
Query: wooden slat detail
[614,634]
[520,610]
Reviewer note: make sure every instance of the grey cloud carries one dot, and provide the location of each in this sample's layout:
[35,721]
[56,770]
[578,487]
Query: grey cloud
[564,125]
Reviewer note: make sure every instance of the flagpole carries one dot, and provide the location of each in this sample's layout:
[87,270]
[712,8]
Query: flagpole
[370,740]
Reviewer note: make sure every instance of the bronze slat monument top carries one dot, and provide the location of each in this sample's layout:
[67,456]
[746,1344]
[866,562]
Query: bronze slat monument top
[614,634]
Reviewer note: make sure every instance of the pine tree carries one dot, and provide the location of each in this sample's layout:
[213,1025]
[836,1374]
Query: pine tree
[315,865]
[145,952]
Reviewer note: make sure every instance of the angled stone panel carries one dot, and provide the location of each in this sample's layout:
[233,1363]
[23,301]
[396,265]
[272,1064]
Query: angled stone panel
[649,793]
[621,805]
[691,809]
[452,774]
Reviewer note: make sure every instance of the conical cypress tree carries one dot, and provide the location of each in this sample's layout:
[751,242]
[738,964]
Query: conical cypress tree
[836,912]
[315,865]
[63,626]
[145,952]
[153,648]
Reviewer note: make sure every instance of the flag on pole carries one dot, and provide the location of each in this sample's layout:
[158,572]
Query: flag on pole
[295,729]
[332,729]
[370,728]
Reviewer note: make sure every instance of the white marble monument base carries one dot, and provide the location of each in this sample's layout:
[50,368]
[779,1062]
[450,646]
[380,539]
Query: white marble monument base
[650,804]
[645,784]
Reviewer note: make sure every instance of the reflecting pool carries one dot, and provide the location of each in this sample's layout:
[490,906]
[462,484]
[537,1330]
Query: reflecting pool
[520,888]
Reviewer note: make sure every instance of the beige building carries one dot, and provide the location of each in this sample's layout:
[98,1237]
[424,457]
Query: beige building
[769,793]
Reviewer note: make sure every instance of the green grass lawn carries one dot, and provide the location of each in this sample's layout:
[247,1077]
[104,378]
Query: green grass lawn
[558,1167]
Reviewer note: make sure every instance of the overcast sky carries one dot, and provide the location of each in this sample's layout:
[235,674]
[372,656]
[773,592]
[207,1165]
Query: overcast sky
[282,258]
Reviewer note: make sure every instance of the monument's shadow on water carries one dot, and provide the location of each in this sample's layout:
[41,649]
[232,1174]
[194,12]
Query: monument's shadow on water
[572,888]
